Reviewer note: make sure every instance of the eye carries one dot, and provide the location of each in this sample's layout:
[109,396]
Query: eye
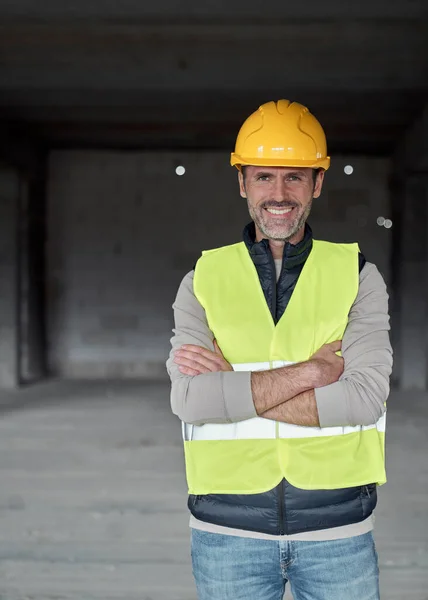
[293,178]
[263,178]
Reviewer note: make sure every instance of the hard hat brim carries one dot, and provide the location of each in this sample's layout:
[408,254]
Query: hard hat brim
[237,161]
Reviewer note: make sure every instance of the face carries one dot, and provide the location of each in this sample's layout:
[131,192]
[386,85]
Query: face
[280,199]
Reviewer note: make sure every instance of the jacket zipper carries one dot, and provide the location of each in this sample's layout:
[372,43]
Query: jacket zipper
[281,508]
[281,485]
[274,286]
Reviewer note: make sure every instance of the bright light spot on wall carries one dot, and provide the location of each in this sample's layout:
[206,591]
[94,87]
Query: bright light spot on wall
[382,222]
[180,170]
[349,169]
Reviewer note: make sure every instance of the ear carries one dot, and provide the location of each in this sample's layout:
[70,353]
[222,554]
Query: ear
[319,183]
[241,182]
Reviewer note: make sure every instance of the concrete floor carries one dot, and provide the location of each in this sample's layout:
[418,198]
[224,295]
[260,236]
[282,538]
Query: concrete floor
[93,496]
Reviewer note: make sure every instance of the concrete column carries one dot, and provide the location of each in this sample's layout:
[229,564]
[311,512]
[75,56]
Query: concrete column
[410,258]
[9,329]
[32,366]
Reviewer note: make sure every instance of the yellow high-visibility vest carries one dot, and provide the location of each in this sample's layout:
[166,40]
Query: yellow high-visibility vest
[253,456]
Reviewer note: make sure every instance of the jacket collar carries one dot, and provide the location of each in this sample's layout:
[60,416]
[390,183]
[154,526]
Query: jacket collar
[293,254]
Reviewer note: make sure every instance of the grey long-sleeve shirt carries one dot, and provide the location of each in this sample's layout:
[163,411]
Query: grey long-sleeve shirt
[356,399]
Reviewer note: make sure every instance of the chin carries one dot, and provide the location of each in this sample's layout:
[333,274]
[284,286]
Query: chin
[279,234]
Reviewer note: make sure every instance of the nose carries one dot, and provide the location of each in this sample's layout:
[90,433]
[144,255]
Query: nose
[279,190]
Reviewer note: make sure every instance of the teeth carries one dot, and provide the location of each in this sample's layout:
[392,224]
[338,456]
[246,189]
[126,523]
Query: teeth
[276,211]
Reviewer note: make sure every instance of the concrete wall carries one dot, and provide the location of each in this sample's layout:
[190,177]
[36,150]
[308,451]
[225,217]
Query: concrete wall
[351,204]
[123,229]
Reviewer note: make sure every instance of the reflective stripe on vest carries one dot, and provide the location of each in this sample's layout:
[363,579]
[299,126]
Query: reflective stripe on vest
[265,429]
[259,429]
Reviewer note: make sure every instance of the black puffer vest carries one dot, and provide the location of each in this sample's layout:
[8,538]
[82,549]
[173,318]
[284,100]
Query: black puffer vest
[284,509]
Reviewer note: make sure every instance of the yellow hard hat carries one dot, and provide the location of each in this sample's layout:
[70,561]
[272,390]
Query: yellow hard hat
[281,134]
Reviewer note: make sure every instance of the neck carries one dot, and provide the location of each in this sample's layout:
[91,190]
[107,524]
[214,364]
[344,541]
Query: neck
[277,246]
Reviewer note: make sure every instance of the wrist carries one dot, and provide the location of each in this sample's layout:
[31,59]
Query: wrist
[312,373]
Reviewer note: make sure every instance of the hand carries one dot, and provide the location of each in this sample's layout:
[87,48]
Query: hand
[329,366]
[196,360]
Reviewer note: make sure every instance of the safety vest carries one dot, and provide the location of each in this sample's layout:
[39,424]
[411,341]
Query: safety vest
[254,455]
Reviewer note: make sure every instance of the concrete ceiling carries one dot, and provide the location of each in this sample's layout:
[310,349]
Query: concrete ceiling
[185,74]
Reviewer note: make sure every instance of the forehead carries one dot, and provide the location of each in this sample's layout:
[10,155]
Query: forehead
[278,171]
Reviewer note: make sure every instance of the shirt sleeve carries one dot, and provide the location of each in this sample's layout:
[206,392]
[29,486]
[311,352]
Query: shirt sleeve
[223,397]
[359,397]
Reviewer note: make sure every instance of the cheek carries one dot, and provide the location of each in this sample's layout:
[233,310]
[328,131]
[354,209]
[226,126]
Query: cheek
[304,194]
[255,198]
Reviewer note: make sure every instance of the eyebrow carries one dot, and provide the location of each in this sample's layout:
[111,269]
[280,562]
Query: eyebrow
[262,173]
[269,173]
[301,173]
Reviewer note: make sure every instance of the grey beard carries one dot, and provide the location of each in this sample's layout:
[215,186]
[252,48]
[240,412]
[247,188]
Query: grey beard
[297,227]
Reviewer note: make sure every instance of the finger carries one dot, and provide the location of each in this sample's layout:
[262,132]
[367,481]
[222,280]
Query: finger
[192,364]
[209,363]
[199,353]
[188,371]
[193,348]
[335,346]
[203,367]
[198,350]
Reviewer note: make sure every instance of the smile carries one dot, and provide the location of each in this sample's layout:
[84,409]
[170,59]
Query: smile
[278,211]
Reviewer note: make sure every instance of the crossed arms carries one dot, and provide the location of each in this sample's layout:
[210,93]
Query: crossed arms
[313,393]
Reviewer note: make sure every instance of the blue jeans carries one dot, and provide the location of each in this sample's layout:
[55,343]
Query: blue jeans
[228,567]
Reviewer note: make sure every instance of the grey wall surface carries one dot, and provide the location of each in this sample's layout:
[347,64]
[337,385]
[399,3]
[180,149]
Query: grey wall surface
[410,257]
[351,204]
[123,229]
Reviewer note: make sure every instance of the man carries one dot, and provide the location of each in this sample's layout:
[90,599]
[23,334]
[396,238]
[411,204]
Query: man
[284,438]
